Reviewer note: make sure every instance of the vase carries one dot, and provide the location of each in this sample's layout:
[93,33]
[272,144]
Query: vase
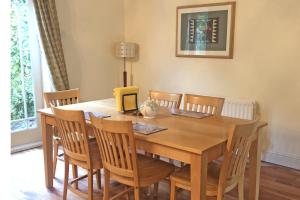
[149,109]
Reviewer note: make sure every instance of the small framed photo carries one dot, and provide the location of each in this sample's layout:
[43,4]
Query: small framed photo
[205,30]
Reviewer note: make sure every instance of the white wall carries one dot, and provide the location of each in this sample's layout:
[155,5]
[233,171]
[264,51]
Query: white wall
[89,30]
[266,65]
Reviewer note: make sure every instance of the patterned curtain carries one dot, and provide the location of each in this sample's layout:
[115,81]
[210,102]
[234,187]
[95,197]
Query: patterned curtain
[46,14]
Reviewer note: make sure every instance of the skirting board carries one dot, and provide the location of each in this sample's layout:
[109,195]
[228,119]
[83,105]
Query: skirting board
[284,160]
[26,147]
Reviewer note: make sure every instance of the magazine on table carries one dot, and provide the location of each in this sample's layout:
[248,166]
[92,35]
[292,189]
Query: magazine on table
[193,114]
[96,114]
[146,129]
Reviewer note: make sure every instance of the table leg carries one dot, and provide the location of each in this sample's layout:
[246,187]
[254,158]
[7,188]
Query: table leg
[48,151]
[198,176]
[255,162]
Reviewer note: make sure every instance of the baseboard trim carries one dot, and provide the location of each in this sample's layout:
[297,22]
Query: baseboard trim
[280,159]
[25,147]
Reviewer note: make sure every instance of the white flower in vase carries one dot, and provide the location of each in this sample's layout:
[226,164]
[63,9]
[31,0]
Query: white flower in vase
[149,109]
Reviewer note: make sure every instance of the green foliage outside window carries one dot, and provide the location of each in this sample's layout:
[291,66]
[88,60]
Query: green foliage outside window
[21,69]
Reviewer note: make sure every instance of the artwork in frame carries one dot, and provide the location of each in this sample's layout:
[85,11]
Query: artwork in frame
[205,30]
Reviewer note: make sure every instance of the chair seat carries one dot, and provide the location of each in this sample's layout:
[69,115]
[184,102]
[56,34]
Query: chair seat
[95,156]
[182,177]
[150,171]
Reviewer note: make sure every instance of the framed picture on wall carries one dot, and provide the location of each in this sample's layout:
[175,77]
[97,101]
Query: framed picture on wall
[205,30]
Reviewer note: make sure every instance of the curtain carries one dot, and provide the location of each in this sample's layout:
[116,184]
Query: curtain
[47,19]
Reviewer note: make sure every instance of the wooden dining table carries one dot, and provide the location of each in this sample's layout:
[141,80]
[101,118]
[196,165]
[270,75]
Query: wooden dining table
[186,139]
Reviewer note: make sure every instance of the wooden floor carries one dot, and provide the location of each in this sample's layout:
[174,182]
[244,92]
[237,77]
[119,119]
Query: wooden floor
[27,181]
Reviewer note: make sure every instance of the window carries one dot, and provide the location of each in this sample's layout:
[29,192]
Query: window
[23,104]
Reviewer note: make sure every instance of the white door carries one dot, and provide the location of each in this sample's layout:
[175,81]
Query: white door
[26,84]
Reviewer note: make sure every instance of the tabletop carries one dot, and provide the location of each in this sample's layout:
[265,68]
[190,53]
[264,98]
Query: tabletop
[186,133]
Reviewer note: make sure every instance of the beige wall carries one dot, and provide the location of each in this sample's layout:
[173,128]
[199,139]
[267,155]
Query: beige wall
[89,30]
[266,64]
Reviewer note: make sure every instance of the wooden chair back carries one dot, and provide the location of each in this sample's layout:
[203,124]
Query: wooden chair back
[117,147]
[60,98]
[73,133]
[165,99]
[236,155]
[204,104]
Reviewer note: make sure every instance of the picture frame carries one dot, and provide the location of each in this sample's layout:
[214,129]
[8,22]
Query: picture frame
[205,31]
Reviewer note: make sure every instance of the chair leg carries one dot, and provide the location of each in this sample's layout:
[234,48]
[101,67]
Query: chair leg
[127,196]
[66,179]
[181,164]
[55,154]
[148,193]
[241,188]
[98,179]
[155,190]
[75,175]
[136,193]
[149,154]
[172,190]
[106,184]
[90,184]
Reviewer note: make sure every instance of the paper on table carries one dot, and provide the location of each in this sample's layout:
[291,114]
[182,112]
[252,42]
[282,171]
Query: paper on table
[146,128]
[193,114]
[97,114]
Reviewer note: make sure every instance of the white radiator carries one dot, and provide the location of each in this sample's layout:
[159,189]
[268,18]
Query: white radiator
[243,109]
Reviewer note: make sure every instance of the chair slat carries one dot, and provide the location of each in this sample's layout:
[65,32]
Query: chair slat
[120,151]
[79,145]
[108,146]
[164,99]
[114,149]
[204,104]
[127,155]
[66,130]
[71,136]
[101,137]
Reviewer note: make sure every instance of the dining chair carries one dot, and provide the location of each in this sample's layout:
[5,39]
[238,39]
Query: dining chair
[79,149]
[222,178]
[165,99]
[60,98]
[122,163]
[204,104]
